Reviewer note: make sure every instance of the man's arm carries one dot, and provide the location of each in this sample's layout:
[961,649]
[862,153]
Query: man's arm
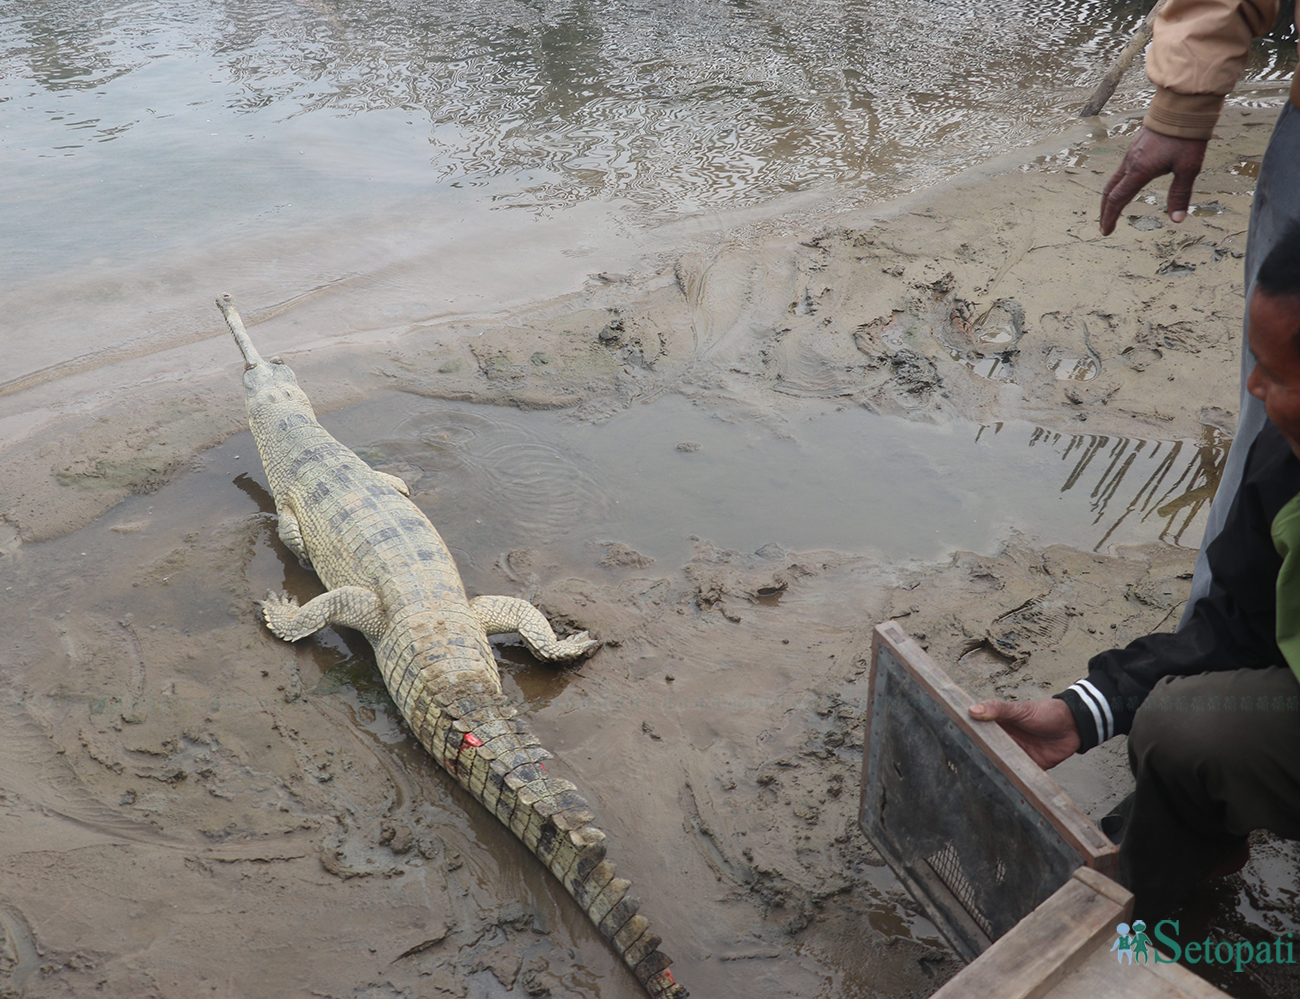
[1222,634]
[1198,53]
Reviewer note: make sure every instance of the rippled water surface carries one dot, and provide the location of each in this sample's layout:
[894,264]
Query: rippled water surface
[438,157]
[833,481]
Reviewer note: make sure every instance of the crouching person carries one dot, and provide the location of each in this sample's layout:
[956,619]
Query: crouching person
[1212,711]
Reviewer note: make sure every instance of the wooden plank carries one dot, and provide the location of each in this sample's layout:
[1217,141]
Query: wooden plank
[1102,975]
[1045,946]
[1030,779]
[1102,884]
[1189,984]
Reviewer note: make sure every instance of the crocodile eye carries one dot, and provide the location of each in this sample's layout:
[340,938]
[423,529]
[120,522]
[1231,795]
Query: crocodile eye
[277,359]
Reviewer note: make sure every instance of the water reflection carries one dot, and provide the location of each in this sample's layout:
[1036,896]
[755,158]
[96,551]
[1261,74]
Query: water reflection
[1175,479]
[670,105]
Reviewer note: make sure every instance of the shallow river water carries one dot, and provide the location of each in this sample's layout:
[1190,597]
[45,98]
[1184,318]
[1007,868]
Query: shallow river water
[415,159]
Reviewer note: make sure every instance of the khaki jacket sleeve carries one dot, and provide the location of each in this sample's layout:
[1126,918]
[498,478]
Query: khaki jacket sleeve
[1196,57]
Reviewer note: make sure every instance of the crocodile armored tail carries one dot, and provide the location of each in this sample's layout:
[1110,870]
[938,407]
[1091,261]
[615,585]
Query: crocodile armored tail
[390,576]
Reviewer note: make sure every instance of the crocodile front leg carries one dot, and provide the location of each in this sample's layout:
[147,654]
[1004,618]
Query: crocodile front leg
[351,606]
[500,615]
[291,534]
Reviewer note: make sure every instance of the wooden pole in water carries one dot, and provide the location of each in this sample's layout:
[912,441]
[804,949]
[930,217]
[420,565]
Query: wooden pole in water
[1116,72]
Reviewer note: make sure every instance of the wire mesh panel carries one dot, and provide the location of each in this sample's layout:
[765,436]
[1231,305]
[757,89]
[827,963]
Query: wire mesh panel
[972,827]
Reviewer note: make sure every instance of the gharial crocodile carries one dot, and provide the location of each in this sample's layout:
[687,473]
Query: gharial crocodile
[390,576]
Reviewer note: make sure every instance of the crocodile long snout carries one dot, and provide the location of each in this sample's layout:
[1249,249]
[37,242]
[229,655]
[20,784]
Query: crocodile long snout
[251,357]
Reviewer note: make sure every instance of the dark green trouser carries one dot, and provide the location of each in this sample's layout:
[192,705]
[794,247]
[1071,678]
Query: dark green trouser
[1215,756]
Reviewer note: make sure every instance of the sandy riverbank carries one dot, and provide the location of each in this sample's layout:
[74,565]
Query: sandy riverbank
[193,808]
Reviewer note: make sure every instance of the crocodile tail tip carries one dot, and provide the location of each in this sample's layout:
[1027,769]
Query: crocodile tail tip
[552,819]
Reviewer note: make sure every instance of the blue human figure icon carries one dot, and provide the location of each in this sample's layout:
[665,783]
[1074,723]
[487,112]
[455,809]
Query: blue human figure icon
[1123,944]
[1139,942]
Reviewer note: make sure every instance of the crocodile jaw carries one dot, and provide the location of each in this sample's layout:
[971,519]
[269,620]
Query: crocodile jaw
[266,383]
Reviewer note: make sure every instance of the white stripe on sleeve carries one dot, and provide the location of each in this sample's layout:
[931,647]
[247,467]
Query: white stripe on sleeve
[1099,708]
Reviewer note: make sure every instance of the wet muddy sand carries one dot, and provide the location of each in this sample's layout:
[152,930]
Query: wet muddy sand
[191,807]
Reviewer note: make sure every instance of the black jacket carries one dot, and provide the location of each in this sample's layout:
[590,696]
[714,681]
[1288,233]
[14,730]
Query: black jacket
[1232,626]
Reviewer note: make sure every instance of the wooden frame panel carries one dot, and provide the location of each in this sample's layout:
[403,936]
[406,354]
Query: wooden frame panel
[974,829]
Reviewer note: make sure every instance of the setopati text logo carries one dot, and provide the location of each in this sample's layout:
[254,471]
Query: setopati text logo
[1132,945]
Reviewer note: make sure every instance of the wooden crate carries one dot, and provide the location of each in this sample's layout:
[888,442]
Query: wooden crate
[974,829]
[1062,950]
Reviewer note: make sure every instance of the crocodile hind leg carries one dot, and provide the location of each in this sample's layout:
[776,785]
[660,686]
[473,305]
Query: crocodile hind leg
[351,606]
[499,615]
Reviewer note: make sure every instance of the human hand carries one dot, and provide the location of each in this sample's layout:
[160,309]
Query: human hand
[1043,728]
[1151,155]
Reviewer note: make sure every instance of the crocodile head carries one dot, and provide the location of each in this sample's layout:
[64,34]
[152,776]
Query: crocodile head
[265,382]
[270,381]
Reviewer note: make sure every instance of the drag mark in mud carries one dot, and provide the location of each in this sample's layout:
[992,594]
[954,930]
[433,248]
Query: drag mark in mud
[21,956]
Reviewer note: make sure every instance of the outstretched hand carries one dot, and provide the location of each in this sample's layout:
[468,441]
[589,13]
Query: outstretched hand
[1043,728]
[1151,155]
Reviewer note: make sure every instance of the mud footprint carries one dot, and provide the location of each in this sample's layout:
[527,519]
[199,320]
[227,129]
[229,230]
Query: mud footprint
[1035,624]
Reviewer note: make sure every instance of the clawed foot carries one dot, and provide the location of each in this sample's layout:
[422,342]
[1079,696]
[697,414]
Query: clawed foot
[575,646]
[500,615]
[280,611]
